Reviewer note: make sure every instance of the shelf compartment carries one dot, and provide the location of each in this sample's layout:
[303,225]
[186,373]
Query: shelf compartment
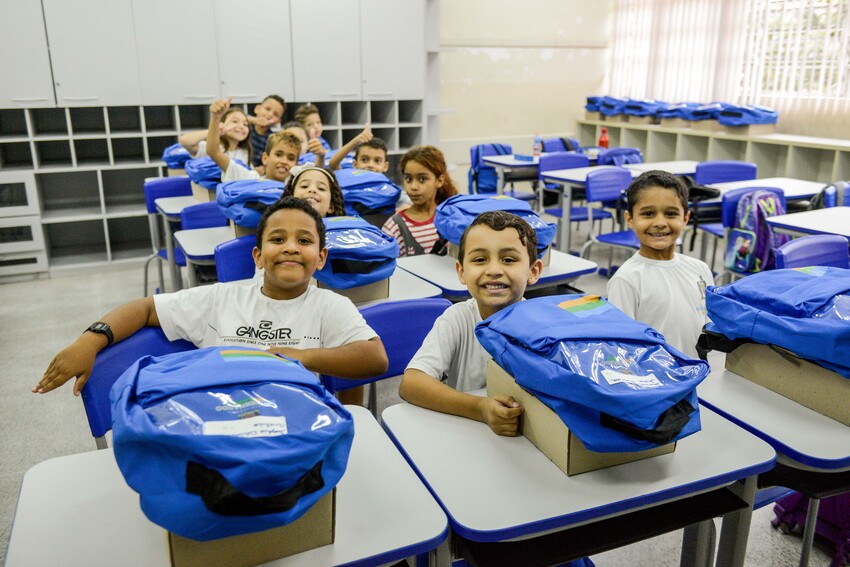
[634,139]
[409,137]
[661,146]
[388,135]
[692,147]
[331,135]
[15,154]
[128,150]
[842,166]
[382,112]
[123,190]
[727,149]
[87,120]
[157,145]
[328,111]
[91,151]
[21,234]
[18,195]
[587,135]
[71,194]
[811,163]
[23,263]
[47,121]
[354,113]
[770,159]
[53,153]
[129,238]
[410,111]
[124,119]
[13,123]
[194,117]
[159,118]
[75,243]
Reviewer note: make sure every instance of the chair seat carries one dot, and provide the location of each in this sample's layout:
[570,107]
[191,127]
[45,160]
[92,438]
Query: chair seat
[579,214]
[625,238]
[179,257]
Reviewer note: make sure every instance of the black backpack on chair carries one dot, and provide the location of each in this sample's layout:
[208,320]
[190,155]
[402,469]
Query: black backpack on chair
[696,194]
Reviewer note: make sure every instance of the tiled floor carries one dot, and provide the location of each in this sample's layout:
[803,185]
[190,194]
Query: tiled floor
[42,316]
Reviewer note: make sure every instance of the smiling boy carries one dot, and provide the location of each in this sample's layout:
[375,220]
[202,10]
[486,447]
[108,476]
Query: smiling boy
[497,259]
[283,314]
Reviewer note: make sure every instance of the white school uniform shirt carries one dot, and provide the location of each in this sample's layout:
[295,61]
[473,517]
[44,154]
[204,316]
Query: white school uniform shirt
[237,153]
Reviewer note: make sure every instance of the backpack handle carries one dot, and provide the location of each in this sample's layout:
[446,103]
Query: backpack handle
[673,420]
[223,498]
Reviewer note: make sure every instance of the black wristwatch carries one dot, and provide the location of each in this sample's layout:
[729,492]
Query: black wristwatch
[102,328]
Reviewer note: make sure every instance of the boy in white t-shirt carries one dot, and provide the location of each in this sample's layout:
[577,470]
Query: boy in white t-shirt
[497,259]
[656,285]
[284,314]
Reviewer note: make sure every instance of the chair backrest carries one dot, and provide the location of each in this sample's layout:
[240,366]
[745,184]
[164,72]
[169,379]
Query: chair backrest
[607,184]
[402,326]
[814,250]
[165,187]
[619,156]
[560,145]
[721,171]
[233,259]
[111,362]
[202,215]
[482,177]
[729,202]
[561,160]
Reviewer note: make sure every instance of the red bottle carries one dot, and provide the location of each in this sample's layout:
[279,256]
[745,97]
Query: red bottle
[603,138]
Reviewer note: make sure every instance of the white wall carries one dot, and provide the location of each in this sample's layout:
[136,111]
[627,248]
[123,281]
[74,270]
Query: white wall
[510,69]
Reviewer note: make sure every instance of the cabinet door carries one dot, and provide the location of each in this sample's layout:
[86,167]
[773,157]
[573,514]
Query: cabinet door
[93,52]
[177,51]
[392,52]
[326,49]
[22,39]
[269,69]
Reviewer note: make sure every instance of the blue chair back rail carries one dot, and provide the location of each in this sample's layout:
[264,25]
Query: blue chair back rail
[202,215]
[721,171]
[607,186]
[560,145]
[110,363]
[814,250]
[165,187]
[234,259]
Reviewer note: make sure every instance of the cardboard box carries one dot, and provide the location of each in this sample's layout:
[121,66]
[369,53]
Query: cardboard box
[707,125]
[377,290]
[807,383]
[176,172]
[617,118]
[314,529]
[453,252]
[239,230]
[588,115]
[542,426]
[675,123]
[201,193]
[643,120]
[751,130]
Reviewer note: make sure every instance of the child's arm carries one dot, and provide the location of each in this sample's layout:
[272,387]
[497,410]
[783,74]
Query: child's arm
[217,110]
[360,138]
[501,413]
[190,141]
[77,359]
[357,359]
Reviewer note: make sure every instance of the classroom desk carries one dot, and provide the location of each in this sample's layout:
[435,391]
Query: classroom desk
[440,271]
[834,220]
[813,450]
[169,209]
[500,488]
[509,168]
[794,189]
[676,167]
[198,246]
[78,511]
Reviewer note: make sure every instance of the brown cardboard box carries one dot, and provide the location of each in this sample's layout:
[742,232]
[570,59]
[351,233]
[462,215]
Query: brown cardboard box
[707,126]
[588,115]
[176,172]
[201,193]
[453,252]
[377,290]
[240,230]
[314,529]
[643,120]
[805,382]
[751,130]
[675,123]
[542,426]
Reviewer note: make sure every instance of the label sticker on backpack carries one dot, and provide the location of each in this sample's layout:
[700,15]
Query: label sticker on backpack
[259,426]
[631,380]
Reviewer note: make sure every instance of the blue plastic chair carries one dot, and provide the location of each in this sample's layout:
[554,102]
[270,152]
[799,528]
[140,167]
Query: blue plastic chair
[488,172]
[110,363]
[560,145]
[159,189]
[202,215]
[402,326]
[605,186]
[814,250]
[619,156]
[722,171]
[728,211]
[234,259]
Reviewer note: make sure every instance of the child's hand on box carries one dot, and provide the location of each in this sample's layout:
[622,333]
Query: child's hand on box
[501,413]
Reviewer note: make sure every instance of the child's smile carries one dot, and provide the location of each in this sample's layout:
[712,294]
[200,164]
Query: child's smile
[658,219]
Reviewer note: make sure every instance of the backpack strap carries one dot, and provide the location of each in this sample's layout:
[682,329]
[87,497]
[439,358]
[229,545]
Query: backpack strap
[409,242]
[568,145]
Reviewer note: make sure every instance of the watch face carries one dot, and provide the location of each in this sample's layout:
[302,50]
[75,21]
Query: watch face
[99,327]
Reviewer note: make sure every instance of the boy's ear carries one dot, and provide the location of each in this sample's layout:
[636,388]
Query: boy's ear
[258,260]
[534,271]
[687,215]
[440,181]
[386,166]
[264,158]
[628,216]
[323,257]
[459,269]
[256,108]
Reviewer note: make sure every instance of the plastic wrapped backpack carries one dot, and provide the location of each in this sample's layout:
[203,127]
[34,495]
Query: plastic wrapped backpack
[245,201]
[225,441]
[746,115]
[358,253]
[367,192]
[614,381]
[175,156]
[205,172]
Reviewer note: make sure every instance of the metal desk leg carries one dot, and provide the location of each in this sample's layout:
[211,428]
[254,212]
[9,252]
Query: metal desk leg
[191,272]
[500,181]
[698,544]
[809,531]
[736,528]
[173,268]
[442,556]
[565,196]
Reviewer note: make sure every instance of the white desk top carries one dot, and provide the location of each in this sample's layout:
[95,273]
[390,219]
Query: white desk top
[793,429]
[834,220]
[578,175]
[171,207]
[440,271]
[509,161]
[793,188]
[495,488]
[199,243]
[78,511]
[677,167]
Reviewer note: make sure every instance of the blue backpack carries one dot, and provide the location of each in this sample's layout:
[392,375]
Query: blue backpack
[593,103]
[704,111]
[224,441]
[367,192]
[752,243]
[611,105]
[746,115]
[483,176]
[642,107]
[205,172]
[245,201]
[803,310]
[614,381]
[175,156]
[358,253]
[679,110]
[457,212]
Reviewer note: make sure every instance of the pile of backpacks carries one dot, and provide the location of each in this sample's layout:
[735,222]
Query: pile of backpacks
[726,114]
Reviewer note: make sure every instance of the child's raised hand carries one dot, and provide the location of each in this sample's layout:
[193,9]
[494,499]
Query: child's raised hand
[501,413]
[365,135]
[219,107]
[315,145]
